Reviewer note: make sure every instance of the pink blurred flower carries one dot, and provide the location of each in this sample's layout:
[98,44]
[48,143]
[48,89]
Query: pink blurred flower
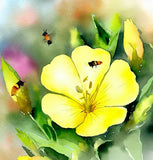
[27,17]
[21,62]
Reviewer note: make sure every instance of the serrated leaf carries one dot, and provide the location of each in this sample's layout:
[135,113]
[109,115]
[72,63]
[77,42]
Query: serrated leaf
[10,76]
[133,145]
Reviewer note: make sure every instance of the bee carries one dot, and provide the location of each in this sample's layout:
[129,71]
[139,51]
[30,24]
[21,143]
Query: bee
[94,63]
[16,87]
[47,37]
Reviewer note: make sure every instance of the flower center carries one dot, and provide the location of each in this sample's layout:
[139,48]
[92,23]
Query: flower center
[88,97]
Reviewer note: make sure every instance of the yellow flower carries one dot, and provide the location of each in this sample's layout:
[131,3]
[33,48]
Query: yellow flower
[89,99]
[132,41]
[32,158]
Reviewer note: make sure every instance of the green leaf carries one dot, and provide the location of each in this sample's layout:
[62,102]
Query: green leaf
[133,145]
[147,89]
[136,62]
[76,39]
[102,34]
[67,143]
[142,109]
[105,40]
[115,27]
[29,153]
[146,71]
[115,23]
[99,43]
[113,43]
[50,132]
[27,141]
[97,144]
[10,76]
[37,113]
[109,151]
[52,154]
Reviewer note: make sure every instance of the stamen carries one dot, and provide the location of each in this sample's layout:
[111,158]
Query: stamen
[85,79]
[82,98]
[90,85]
[79,89]
[87,93]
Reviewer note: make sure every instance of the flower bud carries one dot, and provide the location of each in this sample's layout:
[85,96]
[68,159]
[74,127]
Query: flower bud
[16,88]
[132,40]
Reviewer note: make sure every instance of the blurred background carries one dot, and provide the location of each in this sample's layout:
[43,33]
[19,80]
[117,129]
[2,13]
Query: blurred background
[22,23]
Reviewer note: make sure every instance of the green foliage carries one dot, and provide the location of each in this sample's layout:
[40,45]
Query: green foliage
[136,62]
[29,153]
[102,34]
[107,38]
[142,110]
[145,102]
[67,143]
[113,151]
[76,39]
[146,71]
[133,145]
[97,144]
[27,141]
[147,90]
[52,154]
[125,146]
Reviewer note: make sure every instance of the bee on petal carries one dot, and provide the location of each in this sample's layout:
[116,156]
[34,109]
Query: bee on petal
[47,37]
[94,63]
[16,87]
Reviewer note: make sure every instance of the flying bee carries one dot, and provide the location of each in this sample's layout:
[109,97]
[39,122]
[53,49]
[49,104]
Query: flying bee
[47,37]
[16,87]
[94,63]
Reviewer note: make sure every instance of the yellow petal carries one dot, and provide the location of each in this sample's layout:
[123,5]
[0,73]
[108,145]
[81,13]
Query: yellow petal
[62,77]
[119,86]
[24,158]
[82,56]
[32,158]
[64,111]
[98,121]
[132,39]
